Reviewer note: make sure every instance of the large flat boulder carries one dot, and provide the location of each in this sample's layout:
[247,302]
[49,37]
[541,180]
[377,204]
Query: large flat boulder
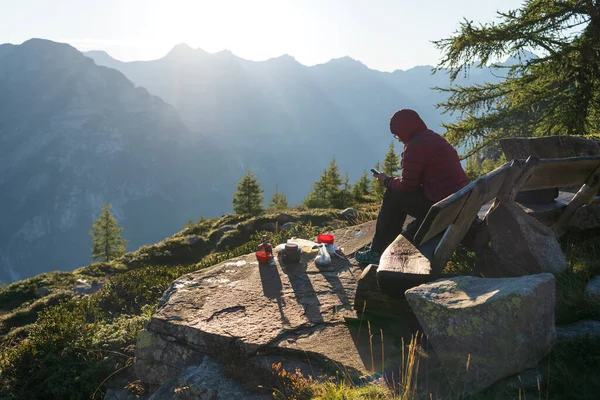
[579,330]
[586,217]
[522,244]
[370,298]
[487,329]
[549,147]
[592,289]
[291,311]
[203,382]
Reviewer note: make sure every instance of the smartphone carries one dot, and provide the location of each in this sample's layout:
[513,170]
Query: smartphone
[374,171]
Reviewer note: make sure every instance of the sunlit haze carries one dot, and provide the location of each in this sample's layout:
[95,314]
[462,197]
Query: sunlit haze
[383,34]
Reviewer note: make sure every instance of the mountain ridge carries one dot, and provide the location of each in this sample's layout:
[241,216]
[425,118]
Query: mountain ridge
[184,128]
[74,135]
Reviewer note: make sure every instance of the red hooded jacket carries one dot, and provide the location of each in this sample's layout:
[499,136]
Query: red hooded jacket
[428,160]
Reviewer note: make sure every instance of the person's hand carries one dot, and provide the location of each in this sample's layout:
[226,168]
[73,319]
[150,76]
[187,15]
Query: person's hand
[381,178]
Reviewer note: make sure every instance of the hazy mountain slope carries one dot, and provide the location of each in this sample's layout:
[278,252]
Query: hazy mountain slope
[283,119]
[74,135]
[267,110]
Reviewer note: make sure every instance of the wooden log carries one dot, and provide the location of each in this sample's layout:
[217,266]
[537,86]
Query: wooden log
[456,232]
[516,169]
[441,215]
[562,172]
[486,188]
[403,266]
[526,174]
[549,147]
[372,299]
[584,196]
[546,213]
[444,213]
[494,181]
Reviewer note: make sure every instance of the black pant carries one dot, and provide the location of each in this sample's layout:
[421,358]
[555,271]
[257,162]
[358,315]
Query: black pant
[395,207]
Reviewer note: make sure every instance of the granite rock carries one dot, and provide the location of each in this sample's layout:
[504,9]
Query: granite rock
[293,311]
[487,329]
[522,244]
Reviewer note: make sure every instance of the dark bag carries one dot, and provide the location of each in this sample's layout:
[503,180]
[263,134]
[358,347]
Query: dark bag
[540,196]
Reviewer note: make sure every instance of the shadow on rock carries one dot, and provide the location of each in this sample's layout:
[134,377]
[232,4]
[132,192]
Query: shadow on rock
[272,287]
[304,290]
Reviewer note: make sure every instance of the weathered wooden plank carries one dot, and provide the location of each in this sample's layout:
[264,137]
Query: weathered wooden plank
[401,255]
[549,147]
[585,196]
[457,231]
[403,266]
[444,213]
[494,181]
[516,169]
[562,172]
[525,175]
[546,213]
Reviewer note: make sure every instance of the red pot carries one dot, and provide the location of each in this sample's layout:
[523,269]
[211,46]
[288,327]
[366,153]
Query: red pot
[264,257]
[325,238]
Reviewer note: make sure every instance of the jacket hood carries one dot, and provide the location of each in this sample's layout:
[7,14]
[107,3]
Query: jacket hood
[406,124]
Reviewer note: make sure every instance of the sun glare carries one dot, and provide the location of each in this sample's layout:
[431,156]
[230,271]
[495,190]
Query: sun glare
[249,29]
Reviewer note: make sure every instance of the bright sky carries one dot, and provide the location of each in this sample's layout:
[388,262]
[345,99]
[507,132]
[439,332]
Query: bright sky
[383,34]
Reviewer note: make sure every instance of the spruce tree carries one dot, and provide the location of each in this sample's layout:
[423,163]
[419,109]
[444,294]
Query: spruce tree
[107,243]
[248,198]
[327,192]
[391,163]
[345,193]
[278,201]
[555,93]
[362,187]
[378,188]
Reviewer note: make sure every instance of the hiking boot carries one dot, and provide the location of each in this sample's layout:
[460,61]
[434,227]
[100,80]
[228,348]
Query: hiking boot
[367,257]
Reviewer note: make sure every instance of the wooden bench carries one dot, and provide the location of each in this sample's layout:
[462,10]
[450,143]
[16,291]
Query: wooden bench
[407,263]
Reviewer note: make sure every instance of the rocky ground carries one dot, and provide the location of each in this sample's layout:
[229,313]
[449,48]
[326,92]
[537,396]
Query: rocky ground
[303,316]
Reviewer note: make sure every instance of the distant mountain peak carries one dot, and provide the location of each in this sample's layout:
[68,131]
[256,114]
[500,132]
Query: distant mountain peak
[182,48]
[345,62]
[39,41]
[98,55]
[224,53]
[346,59]
[285,57]
[45,44]
[47,51]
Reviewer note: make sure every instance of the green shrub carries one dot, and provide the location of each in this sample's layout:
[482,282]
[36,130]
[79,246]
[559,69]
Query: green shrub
[574,366]
[15,294]
[130,291]
[75,345]
[582,251]
[70,351]
[28,314]
[101,269]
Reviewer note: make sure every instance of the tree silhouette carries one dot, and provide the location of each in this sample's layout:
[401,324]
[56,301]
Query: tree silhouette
[278,201]
[248,198]
[391,163]
[330,190]
[556,93]
[378,188]
[106,236]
